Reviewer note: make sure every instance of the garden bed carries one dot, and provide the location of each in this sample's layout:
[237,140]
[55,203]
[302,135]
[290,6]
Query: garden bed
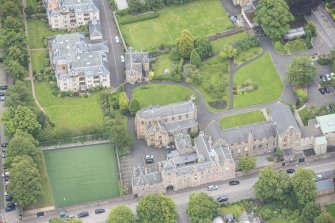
[290,47]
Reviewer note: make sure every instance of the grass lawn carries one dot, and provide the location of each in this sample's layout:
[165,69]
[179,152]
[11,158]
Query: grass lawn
[282,220]
[234,209]
[32,3]
[247,55]
[70,113]
[229,40]
[163,62]
[242,119]
[38,32]
[39,59]
[212,71]
[82,174]
[45,199]
[331,209]
[290,47]
[263,73]
[161,94]
[201,18]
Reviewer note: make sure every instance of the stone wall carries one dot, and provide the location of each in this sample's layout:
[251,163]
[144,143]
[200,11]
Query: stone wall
[229,32]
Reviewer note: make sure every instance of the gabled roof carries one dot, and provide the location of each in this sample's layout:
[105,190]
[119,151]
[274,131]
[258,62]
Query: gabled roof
[94,28]
[282,116]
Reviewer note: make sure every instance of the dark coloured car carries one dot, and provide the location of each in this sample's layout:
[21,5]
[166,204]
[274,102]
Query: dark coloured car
[289,171]
[4,87]
[4,145]
[327,90]
[83,214]
[2,93]
[99,211]
[234,182]
[322,91]
[40,214]
[10,207]
[149,159]
[9,197]
[222,199]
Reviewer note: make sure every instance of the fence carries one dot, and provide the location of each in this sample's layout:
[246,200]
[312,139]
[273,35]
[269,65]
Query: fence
[76,139]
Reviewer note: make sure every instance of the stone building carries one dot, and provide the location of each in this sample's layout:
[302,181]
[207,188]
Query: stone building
[79,65]
[158,124]
[136,66]
[212,164]
[65,14]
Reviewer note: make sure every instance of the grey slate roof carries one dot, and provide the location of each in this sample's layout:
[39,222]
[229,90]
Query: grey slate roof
[81,56]
[79,6]
[183,143]
[142,178]
[134,60]
[94,28]
[308,131]
[323,185]
[167,110]
[178,158]
[240,134]
[282,116]
[180,125]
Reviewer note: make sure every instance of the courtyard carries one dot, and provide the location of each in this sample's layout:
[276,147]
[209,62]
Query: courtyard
[82,174]
[201,18]
[242,119]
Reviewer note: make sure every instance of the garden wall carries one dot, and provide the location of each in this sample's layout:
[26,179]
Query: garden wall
[229,32]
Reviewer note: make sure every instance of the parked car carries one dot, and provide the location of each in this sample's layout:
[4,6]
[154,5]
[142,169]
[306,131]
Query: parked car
[149,159]
[6,178]
[122,59]
[222,199]
[10,207]
[170,148]
[323,78]
[9,197]
[99,211]
[327,90]
[83,214]
[117,39]
[5,174]
[4,155]
[2,98]
[234,182]
[332,76]
[212,187]
[318,177]
[2,93]
[322,90]
[289,171]
[40,214]
[4,87]
[4,145]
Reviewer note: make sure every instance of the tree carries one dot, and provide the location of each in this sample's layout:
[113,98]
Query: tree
[201,208]
[325,217]
[13,24]
[191,74]
[18,54]
[266,185]
[302,97]
[25,182]
[195,58]
[15,69]
[156,208]
[123,101]
[20,118]
[203,47]
[121,138]
[30,10]
[121,214]
[274,16]
[301,71]
[18,94]
[134,106]
[303,186]
[185,44]
[23,144]
[66,220]
[247,163]
[310,212]
[301,8]
[9,8]
[228,52]
[12,38]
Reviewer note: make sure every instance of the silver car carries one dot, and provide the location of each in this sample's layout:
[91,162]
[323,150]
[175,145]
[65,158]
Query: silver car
[212,187]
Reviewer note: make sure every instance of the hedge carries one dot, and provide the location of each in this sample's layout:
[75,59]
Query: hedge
[133,19]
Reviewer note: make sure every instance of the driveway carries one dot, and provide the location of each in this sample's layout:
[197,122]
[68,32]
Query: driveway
[109,32]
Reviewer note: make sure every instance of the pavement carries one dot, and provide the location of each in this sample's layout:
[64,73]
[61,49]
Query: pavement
[109,32]
[235,193]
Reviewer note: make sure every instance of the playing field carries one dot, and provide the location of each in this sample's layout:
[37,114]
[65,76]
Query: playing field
[82,174]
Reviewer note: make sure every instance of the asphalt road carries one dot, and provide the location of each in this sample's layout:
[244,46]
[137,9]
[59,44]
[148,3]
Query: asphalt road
[109,31]
[235,193]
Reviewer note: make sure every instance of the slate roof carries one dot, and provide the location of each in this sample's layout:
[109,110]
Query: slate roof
[183,142]
[282,116]
[180,125]
[134,60]
[64,6]
[167,110]
[178,158]
[241,134]
[94,28]
[323,185]
[141,178]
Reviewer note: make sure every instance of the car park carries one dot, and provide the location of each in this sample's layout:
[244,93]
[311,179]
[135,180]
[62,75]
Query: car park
[99,211]
[83,214]
[149,159]
[10,207]
[322,90]
[290,171]
[212,187]
[234,182]
[327,90]
[117,39]
[40,214]
[4,145]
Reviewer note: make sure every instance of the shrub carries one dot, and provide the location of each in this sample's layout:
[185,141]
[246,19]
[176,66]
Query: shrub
[247,44]
[269,158]
[180,66]
[139,18]
[324,61]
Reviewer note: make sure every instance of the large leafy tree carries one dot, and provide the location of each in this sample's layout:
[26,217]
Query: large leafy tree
[247,163]
[134,106]
[303,186]
[310,212]
[228,52]
[201,208]
[301,71]
[23,144]
[302,8]
[156,208]
[274,16]
[185,44]
[325,217]
[20,118]
[121,214]
[12,38]
[19,54]
[17,71]
[195,58]
[66,220]
[9,8]
[203,47]
[13,24]
[266,185]
[121,138]
[25,181]
[18,94]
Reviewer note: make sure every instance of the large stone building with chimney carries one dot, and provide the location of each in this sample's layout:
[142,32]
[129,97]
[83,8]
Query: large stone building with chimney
[65,14]
[136,66]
